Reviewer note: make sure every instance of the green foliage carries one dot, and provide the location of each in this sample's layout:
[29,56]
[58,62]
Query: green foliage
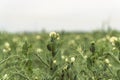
[63,56]
[118,74]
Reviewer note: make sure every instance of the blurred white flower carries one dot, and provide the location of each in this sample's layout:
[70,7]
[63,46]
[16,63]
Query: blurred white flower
[54,61]
[113,39]
[4,50]
[93,78]
[38,50]
[38,37]
[110,65]
[52,34]
[66,59]
[57,36]
[72,59]
[6,44]
[5,77]
[107,61]
[85,57]
[63,57]
[9,49]
[15,39]
[113,48]
[36,78]
[65,67]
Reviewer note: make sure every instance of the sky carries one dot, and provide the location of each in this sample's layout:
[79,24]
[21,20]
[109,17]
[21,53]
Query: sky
[57,15]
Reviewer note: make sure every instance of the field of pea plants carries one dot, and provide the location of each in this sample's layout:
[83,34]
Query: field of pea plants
[60,55]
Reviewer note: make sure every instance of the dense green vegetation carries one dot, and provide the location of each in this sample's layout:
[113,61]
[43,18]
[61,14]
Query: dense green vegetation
[60,56]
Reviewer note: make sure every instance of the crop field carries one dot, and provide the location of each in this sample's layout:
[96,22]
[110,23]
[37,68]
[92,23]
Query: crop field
[60,55]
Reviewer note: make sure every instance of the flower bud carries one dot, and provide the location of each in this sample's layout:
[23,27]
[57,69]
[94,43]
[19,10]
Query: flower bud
[49,47]
[92,47]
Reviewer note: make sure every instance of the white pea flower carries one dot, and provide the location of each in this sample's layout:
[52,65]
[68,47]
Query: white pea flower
[7,44]
[72,59]
[113,48]
[63,57]
[38,37]
[93,77]
[65,67]
[54,61]
[9,49]
[110,65]
[5,77]
[85,57]
[113,39]
[4,50]
[52,34]
[38,50]
[66,60]
[57,36]
[107,61]
[36,78]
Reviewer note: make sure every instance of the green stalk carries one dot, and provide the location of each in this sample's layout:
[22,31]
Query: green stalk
[42,60]
[1,62]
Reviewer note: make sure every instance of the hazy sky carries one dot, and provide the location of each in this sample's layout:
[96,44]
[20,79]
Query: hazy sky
[20,15]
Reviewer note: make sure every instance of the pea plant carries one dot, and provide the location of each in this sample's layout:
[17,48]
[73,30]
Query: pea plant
[60,56]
